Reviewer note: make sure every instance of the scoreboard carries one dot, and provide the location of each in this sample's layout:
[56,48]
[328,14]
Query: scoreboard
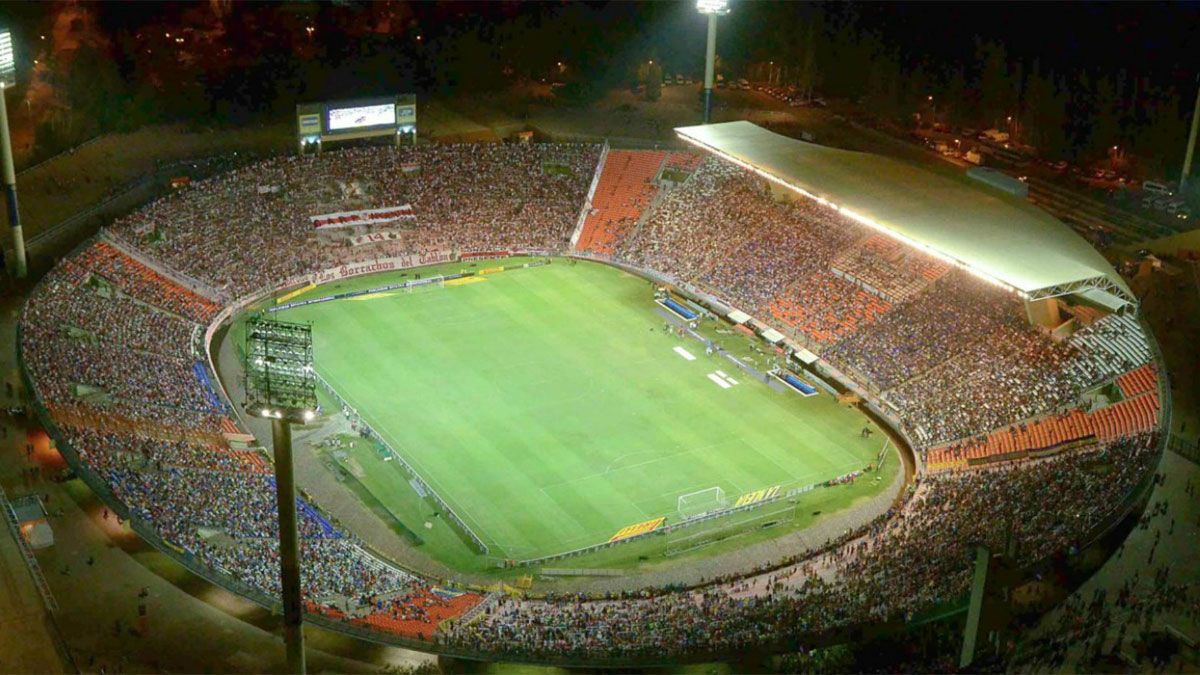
[318,123]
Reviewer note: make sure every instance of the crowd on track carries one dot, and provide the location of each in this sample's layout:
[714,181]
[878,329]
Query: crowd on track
[113,348]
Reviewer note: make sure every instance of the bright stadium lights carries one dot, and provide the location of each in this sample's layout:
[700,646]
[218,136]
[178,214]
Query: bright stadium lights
[280,385]
[712,9]
[8,77]
[865,220]
[8,61]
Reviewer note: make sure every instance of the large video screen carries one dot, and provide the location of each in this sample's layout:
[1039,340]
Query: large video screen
[341,119]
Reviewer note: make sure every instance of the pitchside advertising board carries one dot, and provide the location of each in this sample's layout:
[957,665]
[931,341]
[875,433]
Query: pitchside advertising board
[318,123]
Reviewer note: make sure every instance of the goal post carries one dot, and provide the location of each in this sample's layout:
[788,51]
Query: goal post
[701,502]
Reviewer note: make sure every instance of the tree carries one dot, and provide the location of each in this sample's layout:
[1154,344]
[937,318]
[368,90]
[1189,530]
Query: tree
[1045,113]
[996,88]
[808,77]
[1105,126]
[650,74]
[882,87]
[956,101]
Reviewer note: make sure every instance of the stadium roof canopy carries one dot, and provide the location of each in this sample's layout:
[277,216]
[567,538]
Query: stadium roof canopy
[1001,238]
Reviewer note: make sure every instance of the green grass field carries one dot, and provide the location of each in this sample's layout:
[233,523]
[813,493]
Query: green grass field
[550,409]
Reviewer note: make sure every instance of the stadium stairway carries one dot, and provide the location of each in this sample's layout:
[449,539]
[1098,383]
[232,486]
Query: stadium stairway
[624,193]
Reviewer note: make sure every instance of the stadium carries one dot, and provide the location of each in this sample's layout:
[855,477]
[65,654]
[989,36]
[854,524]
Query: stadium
[588,404]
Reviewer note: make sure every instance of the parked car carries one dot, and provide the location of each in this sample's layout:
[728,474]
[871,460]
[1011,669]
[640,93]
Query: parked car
[1155,187]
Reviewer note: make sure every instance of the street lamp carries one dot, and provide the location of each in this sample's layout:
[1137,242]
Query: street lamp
[8,77]
[280,385]
[713,8]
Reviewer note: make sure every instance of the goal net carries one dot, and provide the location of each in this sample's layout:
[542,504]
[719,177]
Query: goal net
[426,284]
[700,503]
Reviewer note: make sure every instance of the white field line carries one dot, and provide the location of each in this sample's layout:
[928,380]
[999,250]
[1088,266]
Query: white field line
[685,353]
[718,381]
[424,474]
[639,464]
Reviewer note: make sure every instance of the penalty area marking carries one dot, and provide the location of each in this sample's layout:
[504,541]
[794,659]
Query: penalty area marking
[685,353]
[720,381]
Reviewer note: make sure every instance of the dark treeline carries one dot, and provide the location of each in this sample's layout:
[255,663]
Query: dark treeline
[1071,80]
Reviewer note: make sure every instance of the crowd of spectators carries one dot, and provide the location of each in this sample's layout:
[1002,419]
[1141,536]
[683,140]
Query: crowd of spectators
[908,562]
[245,230]
[107,333]
[891,269]
[955,357]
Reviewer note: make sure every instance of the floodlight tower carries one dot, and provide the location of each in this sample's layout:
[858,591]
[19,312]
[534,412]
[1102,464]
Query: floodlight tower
[8,77]
[281,386]
[713,8]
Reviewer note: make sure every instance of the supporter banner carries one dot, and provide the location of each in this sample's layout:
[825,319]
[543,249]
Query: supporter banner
[367,217]
[374,237]
[381,265]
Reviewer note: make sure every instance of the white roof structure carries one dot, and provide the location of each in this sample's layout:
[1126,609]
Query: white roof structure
[1005,240]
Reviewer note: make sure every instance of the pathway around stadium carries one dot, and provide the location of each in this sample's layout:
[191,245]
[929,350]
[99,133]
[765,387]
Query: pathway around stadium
[1169,540]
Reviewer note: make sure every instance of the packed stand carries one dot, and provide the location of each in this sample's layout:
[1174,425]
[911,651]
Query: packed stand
[894,271]
[250,229]
[110,339]
[908,562]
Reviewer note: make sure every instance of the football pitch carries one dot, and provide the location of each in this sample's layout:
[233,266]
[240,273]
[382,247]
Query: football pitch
[550,409]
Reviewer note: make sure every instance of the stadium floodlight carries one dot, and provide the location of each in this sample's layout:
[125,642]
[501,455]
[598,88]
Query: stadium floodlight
[8,77]
[713,9]
[718,7]
[281,386]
